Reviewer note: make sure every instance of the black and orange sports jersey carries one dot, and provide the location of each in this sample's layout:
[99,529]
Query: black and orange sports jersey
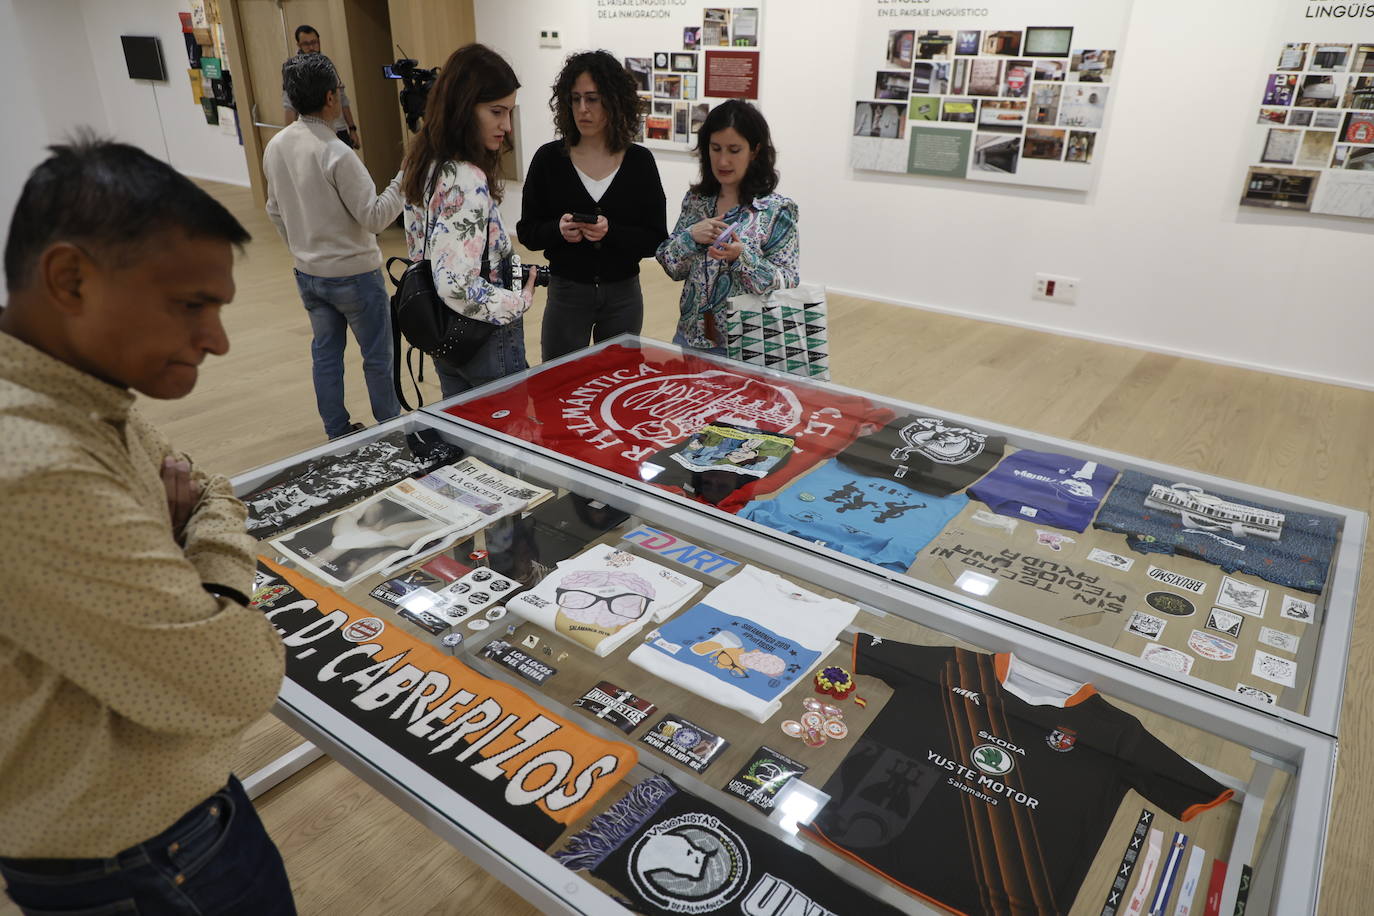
[987,785]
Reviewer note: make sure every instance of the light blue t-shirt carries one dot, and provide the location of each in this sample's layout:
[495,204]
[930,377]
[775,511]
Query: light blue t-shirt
[865,517]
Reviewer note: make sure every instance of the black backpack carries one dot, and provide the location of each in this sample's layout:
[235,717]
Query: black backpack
[420,315]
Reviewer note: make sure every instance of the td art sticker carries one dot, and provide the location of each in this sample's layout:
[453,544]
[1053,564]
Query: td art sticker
[1114,560]
[1209,645]
[1147,625]
[1164,657]
[1052,539]
[1224,621]
[1238,596]
[1279,639]
[1273,668]
[1175,580]
[1296,609]
[1171,604]
[1254,693]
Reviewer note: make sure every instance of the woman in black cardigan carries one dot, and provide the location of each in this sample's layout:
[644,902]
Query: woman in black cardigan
[595,170]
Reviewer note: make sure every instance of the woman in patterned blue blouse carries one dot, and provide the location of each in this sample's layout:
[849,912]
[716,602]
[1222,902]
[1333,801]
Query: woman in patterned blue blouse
[736,190]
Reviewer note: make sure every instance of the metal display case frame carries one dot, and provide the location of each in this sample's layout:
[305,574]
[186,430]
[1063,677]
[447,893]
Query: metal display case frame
[1287,858]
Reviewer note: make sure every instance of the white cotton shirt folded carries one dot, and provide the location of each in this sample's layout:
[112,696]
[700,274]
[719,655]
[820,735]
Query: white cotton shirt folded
[747,642]
[603,597]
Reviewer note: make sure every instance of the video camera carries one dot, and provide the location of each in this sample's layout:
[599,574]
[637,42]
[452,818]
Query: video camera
[416,83]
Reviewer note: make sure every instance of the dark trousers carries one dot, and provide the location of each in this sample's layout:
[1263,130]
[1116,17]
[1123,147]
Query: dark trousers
[217,858]
[577,314]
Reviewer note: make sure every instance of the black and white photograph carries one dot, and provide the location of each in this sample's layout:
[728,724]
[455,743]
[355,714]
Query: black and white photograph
[885,120]
[1297,609]
[349,546]
[1300,117]
[1326,119]
[1147,625]
[683,62]
[996,152]
[642,69]
[1092,66]
[1080,147]
[1044,143]
[1236,595]
[892,84]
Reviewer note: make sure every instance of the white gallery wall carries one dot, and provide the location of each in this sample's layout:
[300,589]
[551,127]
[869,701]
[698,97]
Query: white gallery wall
[1167,258]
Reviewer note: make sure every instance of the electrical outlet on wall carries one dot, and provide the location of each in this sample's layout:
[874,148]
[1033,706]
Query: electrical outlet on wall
[1055,288]
[548,38]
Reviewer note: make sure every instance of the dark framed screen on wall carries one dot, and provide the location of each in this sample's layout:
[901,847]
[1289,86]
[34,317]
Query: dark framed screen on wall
[143,57]
[1046,41]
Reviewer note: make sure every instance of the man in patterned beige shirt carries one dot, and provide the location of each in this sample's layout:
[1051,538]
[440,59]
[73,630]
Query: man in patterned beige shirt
[130,663]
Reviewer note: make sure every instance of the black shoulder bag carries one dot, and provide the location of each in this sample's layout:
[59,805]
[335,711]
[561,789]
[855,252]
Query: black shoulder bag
[419,314]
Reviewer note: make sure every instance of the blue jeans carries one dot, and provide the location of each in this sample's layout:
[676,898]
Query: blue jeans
[217,858]
[335,304]
[577,313]
[503,354]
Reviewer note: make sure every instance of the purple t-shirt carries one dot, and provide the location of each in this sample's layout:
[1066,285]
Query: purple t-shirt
[1045,488]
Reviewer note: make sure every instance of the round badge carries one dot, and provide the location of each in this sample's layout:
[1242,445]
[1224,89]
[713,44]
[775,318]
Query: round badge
[807,497]
[363,630]
[478,555]
[500,414]
[813,704]
[792,728]
[452,639]
[1171,604]
[686,737]
[481,575]
[496,613]
[812,720]
[478,624]
[813,737]
[831,712]
[836,729]
[479,598]
[500,585]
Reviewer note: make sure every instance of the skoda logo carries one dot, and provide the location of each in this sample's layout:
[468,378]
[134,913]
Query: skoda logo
[991,759]
[691,863]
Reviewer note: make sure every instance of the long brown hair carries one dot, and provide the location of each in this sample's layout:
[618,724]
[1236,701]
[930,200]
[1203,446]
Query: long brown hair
[472,75]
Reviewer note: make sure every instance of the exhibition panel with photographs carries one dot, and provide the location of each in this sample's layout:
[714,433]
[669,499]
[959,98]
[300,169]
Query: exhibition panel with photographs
[982,95]
[685,59]
[1313,142]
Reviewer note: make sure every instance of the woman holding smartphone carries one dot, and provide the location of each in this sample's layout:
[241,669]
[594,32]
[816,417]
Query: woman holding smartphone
[452,187]
[735,235]
[594,204]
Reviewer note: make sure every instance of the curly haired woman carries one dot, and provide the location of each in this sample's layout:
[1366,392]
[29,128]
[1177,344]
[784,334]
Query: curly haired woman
[593,170]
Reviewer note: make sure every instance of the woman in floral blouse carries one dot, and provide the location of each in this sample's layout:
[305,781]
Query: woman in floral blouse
[452,187]
[736,189]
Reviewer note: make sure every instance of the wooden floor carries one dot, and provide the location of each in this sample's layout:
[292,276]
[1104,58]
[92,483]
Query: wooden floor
[348,850]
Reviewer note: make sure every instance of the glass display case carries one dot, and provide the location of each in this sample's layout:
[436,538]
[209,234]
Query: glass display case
[609,695]
[1244,593]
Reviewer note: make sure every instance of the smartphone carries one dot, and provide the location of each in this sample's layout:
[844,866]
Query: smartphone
[724,236]
[588,218]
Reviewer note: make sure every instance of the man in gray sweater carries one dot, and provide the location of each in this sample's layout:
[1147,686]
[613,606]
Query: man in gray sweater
[322,201]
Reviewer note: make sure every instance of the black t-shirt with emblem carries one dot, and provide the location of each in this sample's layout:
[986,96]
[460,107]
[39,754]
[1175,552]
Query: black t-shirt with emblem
[975,798]
[925,453]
